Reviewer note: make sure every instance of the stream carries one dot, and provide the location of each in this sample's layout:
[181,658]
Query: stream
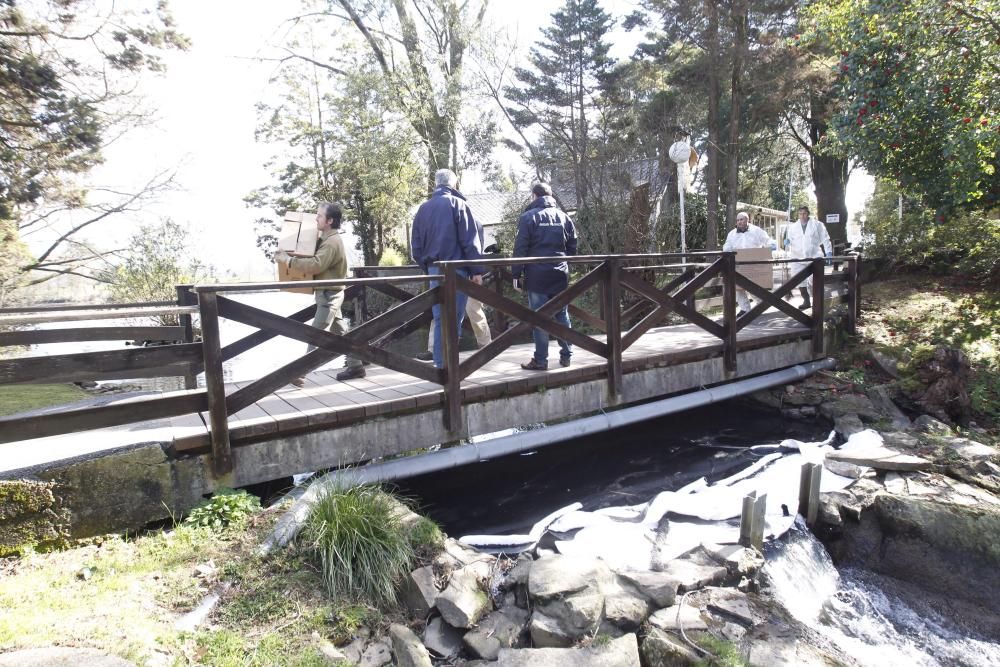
[875,619]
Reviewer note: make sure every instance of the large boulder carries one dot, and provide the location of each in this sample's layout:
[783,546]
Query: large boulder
[944,377]
[419,591]
[442,639]
[621,652]
[660,649]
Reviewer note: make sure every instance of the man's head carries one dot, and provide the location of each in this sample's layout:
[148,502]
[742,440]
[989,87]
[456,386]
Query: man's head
[329,216]
[742,221]
[803,213]
[446,178]
[540,190]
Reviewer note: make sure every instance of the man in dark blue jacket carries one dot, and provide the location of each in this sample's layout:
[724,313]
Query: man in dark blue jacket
[444,230]
[544,230]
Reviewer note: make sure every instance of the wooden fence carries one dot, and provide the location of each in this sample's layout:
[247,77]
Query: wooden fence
[632,294]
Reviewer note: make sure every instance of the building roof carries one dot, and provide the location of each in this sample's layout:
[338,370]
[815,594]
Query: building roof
[618,179]
[488,207]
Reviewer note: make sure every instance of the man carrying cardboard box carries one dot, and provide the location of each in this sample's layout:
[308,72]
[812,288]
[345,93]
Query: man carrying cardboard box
[329,263]
[744,237]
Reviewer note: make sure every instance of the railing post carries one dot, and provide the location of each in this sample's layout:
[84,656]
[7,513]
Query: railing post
[612,320]
[729,311]
[853,302]
[818,306]
[449,351]
[185,297]
[215,386]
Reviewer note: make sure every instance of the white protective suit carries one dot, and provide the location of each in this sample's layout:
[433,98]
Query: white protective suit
[753,237]
[804,244]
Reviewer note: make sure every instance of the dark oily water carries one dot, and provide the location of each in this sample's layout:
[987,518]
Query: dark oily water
[626,466]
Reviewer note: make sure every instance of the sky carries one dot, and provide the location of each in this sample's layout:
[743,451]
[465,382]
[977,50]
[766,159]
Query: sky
[204,106]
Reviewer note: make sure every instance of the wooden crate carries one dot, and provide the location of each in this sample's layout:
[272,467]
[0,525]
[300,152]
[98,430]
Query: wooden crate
[298,238]
[762,274]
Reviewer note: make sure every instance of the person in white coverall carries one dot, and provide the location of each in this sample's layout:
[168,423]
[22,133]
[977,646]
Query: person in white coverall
[746,235]
[802,241]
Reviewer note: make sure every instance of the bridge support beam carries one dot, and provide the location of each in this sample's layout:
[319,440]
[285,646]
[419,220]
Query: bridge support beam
[729,311]
[612,309]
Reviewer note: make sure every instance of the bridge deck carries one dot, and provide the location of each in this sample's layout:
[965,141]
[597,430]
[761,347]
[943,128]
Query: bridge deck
[324,402]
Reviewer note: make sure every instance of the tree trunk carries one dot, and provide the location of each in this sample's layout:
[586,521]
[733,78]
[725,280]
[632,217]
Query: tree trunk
[733,147]
[829,173]
[714,133]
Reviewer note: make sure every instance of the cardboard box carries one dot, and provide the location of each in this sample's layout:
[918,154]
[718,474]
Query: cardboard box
[762,274]
[298,237]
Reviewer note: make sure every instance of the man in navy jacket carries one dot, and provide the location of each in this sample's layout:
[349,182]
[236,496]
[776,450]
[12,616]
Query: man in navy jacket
[445,230]
[544,230]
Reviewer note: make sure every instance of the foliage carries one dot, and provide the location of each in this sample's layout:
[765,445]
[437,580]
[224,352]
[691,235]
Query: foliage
[364,550]
[13,255]
[918,84]
[967,244]
[68,72]
[909,317]
[392,257]
[157,259]
[725,653]
[343,142]
[225,509]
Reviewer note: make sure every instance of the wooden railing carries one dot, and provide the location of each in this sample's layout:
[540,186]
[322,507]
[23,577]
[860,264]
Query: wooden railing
[634,293]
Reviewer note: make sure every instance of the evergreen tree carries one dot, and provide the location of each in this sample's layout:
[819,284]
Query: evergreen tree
[558,94]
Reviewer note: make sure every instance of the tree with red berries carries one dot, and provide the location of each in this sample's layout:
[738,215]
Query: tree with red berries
[918,88]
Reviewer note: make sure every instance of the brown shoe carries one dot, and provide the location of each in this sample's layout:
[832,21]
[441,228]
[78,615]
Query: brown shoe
[351,373]
[298,382]
[534,366]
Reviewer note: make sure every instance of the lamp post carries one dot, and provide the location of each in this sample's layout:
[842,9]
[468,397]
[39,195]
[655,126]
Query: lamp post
[680,153]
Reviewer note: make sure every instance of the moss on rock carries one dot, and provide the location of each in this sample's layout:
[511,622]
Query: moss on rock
[30,517]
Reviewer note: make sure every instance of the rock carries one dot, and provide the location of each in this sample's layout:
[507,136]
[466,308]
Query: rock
[407,648]
[668,619]
[730,603]
[578,615]
[895,483]
[880,458]
[377,654]
[625,608]
[661,650]
[30,516]
[927,424]
[501,629]
[463,602]
[442,639]
[880,398]
[847,404]
[564,575]
[886,364]
[777,646]
[61,657]
[844,469]
[456,556]
[658,587]
[518,575]
[900,441]
[970,450]
[847,425]
[945,377]
[692,576]
[621,652]
[419,591]
[738,560]
[546,631]
[829,513]
[354,650]
[332,653]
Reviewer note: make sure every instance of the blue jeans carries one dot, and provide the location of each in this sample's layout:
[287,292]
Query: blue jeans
[460,299]
[535,301]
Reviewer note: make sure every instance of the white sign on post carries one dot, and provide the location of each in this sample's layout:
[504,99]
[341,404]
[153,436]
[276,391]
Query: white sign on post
[833,217]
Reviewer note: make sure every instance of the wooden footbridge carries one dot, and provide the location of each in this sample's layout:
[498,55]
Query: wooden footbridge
[645,326]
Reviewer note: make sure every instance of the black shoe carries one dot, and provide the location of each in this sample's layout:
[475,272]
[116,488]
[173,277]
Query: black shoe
[741,313]
[805,305]
[351,373]
[424,356]
[534,366]
[564,361]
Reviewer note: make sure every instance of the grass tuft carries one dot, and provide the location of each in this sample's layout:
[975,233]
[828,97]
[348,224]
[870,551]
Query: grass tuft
[363,548]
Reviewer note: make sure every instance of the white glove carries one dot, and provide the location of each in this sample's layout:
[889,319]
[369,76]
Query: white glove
[282,256]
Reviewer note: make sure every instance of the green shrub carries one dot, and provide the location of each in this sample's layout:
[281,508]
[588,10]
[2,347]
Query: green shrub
[363,548]
[392,257]
[426,537]
[224,509]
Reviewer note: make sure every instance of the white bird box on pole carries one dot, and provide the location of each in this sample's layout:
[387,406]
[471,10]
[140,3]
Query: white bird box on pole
[680,153]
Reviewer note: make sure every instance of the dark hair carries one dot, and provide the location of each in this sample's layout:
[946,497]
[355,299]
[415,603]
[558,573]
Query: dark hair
[804,208]
[541,190]
[333,212]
